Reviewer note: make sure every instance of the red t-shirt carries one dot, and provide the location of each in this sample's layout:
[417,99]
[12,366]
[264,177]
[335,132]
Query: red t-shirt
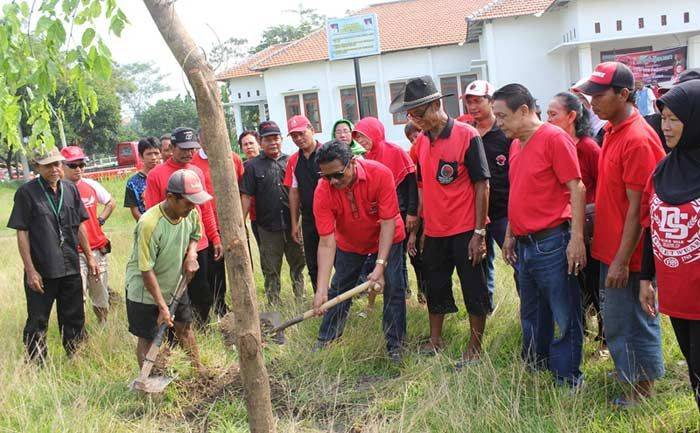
[92,194]
[289,172]
[539,197]
[630,153]
[201,161]
[675,235]
[354,213]
[588,153]
[448,201]
[156,186]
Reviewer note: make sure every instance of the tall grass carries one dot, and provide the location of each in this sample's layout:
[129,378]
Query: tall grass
[351,386]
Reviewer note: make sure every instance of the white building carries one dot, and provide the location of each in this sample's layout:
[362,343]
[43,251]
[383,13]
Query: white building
[544,44]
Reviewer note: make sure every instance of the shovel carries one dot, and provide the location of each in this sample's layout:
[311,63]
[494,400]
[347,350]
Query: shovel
[156,384]
[275,331]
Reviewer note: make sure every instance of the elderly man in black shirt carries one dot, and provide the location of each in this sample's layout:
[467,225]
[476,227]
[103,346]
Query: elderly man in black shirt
[263,179]
[48,215]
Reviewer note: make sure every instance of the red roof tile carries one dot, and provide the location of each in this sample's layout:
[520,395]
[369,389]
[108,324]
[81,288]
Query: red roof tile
[247,67]
[511,8]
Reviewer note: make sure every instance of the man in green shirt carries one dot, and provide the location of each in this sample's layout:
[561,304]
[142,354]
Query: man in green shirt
[165,246]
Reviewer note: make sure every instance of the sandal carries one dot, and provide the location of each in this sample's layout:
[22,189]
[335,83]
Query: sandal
[429,349]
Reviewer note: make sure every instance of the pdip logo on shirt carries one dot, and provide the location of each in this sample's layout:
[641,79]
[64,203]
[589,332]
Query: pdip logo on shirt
[501,160]
[676,234]
[446,172]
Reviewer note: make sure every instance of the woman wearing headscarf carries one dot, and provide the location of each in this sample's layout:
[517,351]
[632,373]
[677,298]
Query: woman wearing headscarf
[671,213]
[342,131]
[369,133]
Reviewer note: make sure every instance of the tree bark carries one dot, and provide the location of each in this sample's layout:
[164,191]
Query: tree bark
[211,116]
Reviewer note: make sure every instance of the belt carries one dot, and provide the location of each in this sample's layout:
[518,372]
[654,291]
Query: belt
[543,234]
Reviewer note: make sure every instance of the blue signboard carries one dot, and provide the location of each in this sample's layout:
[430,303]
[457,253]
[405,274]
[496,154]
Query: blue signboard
[352,37]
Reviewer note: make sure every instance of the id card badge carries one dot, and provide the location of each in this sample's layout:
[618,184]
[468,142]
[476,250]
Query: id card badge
[446,172]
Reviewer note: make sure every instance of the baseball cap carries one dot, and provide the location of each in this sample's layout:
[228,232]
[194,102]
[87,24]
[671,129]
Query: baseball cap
[49,157]
[268,127]
[73,153]
[187,183]
[297,123]
[607,75]
[479,88]
[184,138]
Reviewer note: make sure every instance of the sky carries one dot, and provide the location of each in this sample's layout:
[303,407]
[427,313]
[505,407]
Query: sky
[208,21]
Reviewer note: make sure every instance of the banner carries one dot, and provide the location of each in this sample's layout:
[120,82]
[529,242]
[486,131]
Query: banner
[656,66]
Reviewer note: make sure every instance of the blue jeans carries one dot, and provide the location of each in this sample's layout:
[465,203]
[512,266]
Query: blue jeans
[348,267]
[634,338]
[495,234]
[550,308]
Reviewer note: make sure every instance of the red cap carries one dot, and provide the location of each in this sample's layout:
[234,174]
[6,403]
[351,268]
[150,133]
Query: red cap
[606,75]
[73,153]
[297,123]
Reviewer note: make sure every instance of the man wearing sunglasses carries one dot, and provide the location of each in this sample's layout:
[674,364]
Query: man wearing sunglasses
[358,220]
[92,194]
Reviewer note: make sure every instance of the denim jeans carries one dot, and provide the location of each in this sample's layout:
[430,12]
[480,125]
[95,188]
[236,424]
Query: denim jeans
[347,274]
[550,308]
[496,234]
[634,338]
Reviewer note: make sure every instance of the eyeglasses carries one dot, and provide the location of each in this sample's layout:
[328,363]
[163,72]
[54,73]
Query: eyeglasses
[418,115]
[337,175]
[74,166]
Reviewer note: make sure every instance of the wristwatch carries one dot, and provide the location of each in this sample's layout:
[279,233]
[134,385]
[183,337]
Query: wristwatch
[480,232]
[101,221]
[381,262]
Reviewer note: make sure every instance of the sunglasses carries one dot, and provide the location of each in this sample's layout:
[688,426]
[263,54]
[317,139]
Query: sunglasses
[337,175]
[76,165]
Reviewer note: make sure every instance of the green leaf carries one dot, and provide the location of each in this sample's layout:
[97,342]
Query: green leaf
[95,9]
[116,25]
[103,67]
[57,33]
[24,7]
[43,24]
[88,37]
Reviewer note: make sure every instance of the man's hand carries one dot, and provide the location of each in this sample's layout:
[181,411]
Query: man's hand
[411,244]
[218,252]
[297,235]
[647,297]
[509,254]
[35,282]
[576,256]
[320,298]
[190,266]
[411,223]
[618,275]
[477,249]
[164,316]
[377,277]
[93,269]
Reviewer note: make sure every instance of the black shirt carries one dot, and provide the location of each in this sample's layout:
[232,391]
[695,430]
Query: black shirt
[306,173]
[263,179]
[33,213]
[497,149]
[407,192]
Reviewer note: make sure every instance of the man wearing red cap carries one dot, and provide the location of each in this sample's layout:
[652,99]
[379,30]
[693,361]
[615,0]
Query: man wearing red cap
[631,150]
[301,178]
[92,194]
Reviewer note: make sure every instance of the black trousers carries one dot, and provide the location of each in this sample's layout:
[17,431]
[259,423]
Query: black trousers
[199,290]
[688,336]
[311,239]
[217,282]
[68,294]
[417,260]
[589,280]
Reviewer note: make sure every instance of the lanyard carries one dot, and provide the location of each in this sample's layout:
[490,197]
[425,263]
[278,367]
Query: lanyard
[56,208]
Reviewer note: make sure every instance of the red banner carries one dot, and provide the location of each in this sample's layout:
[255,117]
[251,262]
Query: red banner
[656,66]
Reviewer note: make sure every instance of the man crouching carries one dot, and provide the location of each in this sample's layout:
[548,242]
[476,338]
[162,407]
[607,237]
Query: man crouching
[163,236]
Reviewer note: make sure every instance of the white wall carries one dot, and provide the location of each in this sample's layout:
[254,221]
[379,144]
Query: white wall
[251,89]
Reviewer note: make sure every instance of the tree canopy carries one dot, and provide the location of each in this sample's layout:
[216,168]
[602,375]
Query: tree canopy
[167,114]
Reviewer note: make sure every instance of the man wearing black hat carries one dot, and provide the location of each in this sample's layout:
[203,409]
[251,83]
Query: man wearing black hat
[455,183]
[263,179]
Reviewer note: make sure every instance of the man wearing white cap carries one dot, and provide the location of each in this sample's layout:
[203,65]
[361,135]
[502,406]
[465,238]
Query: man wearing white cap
[478,98]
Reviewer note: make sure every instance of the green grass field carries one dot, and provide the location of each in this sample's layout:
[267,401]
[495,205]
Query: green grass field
[350,387]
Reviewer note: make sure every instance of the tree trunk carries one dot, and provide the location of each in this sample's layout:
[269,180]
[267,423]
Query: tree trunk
[211,115]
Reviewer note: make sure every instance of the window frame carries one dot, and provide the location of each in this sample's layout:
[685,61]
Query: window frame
[301,100]
[365,87]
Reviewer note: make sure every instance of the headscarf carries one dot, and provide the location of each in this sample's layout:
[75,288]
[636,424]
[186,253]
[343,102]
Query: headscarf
[354,146]
[677,177]
[389,154]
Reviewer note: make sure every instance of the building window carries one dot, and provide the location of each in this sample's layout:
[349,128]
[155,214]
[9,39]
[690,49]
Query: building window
[292,105]
[464,81]
[641,23]
[597,27]
[348,103]
[257,93]
[619,25]
[664,21]
[312,110]
[456,85]
[239,95]
[394,90]
[686,17]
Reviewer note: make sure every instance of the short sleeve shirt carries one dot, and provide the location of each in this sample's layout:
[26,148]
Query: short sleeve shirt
[354,214]
[302,173]
[630,153]
[263,179]
[539,197]
[447,168]
[33,213]
[160,245]
[588,153]
[93,194]
[133,195]
[497,149]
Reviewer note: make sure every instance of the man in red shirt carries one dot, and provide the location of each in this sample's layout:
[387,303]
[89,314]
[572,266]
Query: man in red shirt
[631,150]
[217,269]
[359,223]
[92,194]
[454,176]
[185,146]
[545,222]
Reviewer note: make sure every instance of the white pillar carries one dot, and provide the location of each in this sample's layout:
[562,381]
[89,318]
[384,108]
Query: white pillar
[488,39]
[694,52]
[585,61]
[238,118]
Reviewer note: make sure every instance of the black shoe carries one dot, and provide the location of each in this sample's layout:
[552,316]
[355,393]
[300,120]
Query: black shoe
[396,357]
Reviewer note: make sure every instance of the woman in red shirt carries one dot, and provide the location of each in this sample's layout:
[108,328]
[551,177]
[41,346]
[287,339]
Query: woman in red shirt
[671,213]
